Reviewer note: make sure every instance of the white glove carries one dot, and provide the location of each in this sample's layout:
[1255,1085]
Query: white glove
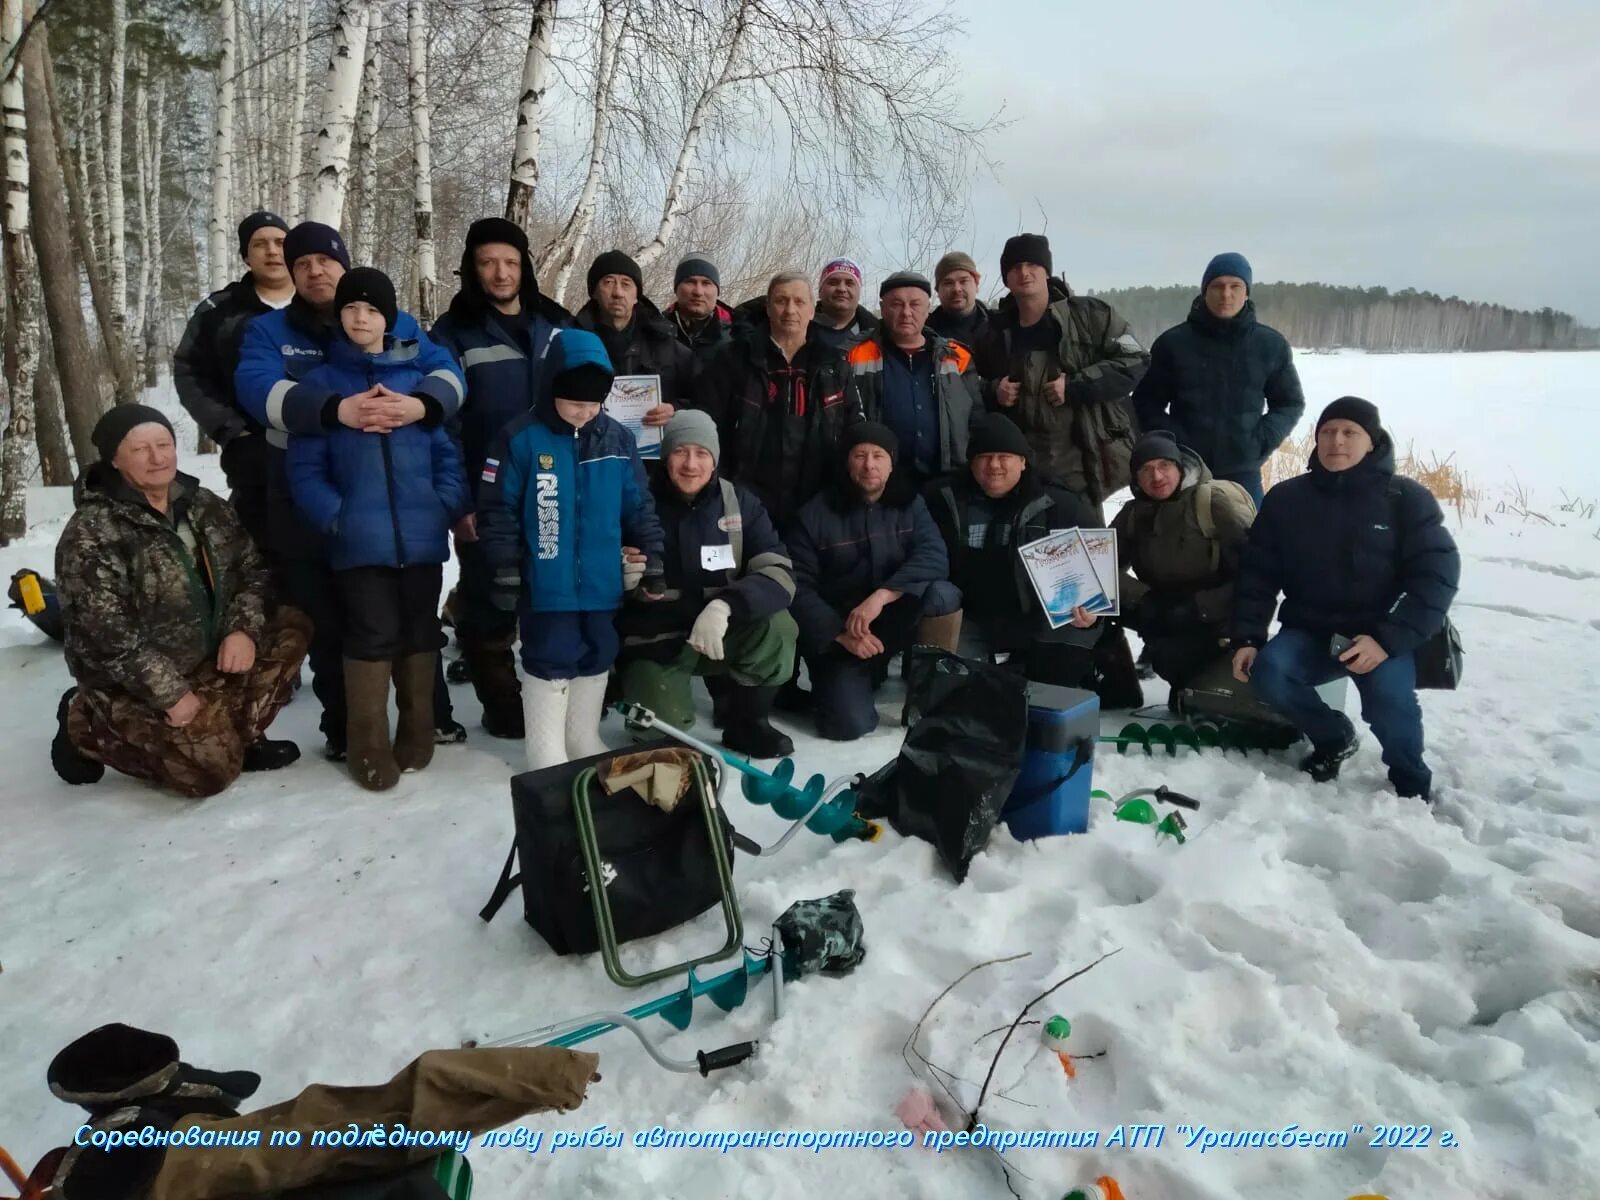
[710,627]
[632,573]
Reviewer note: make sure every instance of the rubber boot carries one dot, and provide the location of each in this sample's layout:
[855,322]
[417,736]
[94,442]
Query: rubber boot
[544,717]
[585,705]
[73,767]
[943,632]
[413,689]
[368,751]
[749,729]
[493,671]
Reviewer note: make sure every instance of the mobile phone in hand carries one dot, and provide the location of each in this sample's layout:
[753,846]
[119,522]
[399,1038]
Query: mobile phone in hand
[1339,644]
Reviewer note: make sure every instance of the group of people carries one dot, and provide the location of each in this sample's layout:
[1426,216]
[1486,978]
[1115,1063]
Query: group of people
[832,487]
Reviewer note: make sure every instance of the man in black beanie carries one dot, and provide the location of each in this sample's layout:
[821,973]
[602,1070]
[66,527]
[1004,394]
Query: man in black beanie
[498,326]
[1061,366]
[699,317]
[1359,554]
[203,364]
[871,576]
[638,338]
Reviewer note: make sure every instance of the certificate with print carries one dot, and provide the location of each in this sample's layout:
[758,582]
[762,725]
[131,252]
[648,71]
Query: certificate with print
[1101,547]
[631,397]
[1062,575]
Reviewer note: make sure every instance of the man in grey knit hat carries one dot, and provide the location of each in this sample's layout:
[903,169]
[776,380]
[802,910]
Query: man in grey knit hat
[726,616]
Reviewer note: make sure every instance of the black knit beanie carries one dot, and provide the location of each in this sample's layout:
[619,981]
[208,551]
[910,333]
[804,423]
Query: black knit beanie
[615,262]
[1158,444]
[313,237]
[120,421]
[586,383]
[696,266]
[256,221]
[997,434]
[372,286]
[1026,248]
[1353,408]
[865,433]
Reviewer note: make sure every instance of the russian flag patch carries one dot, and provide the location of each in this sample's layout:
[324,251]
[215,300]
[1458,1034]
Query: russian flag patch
[491,468]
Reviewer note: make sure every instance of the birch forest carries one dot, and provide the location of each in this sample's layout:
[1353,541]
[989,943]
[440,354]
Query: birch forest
[139,132]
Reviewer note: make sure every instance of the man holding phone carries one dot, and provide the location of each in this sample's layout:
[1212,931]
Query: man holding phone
[1367,571]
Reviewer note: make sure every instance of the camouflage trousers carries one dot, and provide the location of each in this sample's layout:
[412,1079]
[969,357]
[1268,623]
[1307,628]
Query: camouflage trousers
[205,756]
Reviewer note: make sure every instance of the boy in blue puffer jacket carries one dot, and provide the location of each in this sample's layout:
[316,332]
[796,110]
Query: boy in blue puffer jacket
[562,493]
[386,499]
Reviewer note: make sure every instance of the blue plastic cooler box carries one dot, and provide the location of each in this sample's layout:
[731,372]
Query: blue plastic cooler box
[1051,795]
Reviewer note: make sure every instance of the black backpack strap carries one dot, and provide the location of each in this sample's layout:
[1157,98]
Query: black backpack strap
[502,889]
[1083,755]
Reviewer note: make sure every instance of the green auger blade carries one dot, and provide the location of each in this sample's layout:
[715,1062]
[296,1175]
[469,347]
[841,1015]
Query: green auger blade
[1207,735]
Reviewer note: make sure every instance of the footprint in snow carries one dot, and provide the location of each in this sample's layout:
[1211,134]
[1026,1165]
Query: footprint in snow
[1560,569]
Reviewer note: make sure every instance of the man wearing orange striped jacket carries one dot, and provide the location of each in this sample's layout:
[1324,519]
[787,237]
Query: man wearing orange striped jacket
[920,385]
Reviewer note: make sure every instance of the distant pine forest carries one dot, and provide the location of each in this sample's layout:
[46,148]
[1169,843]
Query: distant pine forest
[1320,316]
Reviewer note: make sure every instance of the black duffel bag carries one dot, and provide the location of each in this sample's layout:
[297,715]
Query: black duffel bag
[658,866]
[1439,660]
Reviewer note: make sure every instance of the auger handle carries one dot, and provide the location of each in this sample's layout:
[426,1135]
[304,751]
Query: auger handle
[1171,797]
[728,1056]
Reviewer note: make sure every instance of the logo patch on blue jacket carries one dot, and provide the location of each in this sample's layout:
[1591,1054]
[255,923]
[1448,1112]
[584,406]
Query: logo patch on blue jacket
[546,462]
[548,504]
[491,469]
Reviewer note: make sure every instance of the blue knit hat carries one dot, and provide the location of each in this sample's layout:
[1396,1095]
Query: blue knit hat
[1231,263]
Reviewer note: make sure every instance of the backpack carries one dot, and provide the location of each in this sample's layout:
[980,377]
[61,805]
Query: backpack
[1233,498]
[1439,659]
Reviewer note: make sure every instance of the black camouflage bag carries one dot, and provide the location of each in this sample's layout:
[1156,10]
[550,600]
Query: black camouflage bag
[822,936]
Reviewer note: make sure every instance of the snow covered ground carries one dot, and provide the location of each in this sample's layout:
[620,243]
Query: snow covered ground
[1320,956]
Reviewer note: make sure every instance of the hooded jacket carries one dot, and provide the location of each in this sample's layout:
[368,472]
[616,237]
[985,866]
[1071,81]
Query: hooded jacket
[498,354]
[204,362]
[557,504]
[383,499]
[1207,382]
[1352,552]
[956,386]
[1163,546]
[142,612]
[844,549]
[649,346]
[1086,442]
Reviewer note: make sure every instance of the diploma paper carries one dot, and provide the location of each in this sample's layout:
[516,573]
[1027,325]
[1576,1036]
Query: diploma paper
[1101,545]
[631,397]
[1062,575]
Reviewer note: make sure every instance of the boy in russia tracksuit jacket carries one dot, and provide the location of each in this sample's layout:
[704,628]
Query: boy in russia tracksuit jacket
[385,499]
[562,490]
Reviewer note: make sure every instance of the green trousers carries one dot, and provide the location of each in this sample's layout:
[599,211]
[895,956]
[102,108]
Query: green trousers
[754,654]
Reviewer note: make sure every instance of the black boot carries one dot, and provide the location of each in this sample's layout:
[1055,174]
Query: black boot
[1323,763]
[449,732]
[719,688]
[266,755]
[116,1066]
[749,730]
[73,767]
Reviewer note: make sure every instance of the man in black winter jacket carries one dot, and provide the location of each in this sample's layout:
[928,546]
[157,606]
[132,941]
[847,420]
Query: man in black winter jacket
[203,363]
[961,316]
[638,339]
[697,314]
[1358,553]
[871,576]
[726,615]
[1210,376]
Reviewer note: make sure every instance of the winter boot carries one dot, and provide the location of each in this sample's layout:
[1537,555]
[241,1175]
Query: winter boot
[120,1066]
[369,752]
[493,671]
[449,732]
[749,729]
[1324,762]
[264,754]
[73,767]
[586,703]
[544,716]
[943,632]
[1116,681]
[721,689]
[414,732]
[1142,664]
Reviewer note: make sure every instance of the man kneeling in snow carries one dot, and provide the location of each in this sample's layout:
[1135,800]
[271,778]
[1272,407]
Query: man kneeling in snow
[1356,551]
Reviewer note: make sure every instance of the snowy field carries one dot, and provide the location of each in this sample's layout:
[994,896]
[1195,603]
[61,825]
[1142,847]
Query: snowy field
[1328,957]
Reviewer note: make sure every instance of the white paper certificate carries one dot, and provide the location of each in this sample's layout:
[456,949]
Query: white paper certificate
[1101,545]
[631,397]
[1062,575]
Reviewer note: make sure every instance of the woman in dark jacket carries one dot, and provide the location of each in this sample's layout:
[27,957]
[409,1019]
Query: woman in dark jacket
[1360,555]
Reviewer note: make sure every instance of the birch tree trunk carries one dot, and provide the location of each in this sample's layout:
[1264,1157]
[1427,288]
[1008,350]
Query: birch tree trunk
[562,254]
[530,116]
[153,341]
[677,187]
[247,136]
[340,95]
[116,230]
[22,293]
[297,111]
[55,467]
[366,217]
[222,151]
[94,122]
[141,204]
[422,159]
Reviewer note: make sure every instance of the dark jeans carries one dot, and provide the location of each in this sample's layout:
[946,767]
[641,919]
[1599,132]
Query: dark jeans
[1250,481]
[569,645]
[390,612]
[1292,665]
[843,684]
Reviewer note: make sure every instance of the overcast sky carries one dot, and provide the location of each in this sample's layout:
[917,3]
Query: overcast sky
[1447,145]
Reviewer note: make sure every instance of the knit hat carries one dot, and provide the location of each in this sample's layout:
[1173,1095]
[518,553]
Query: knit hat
[848,266]
[1231,263]
[313,237]
[997,434]
[372,286]
[1353,408]
[614,262]
[1158,444]
[586,383]
[255,221]
[691,427]
[871,433]
[120,421]
[696,266]
[496,231]
[956,260]
[1026,248]
[903,279]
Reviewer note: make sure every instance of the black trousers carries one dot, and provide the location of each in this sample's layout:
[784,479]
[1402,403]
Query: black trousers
[478,621]
[308,585]
[1179,657]
[390,612]
[244,464]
